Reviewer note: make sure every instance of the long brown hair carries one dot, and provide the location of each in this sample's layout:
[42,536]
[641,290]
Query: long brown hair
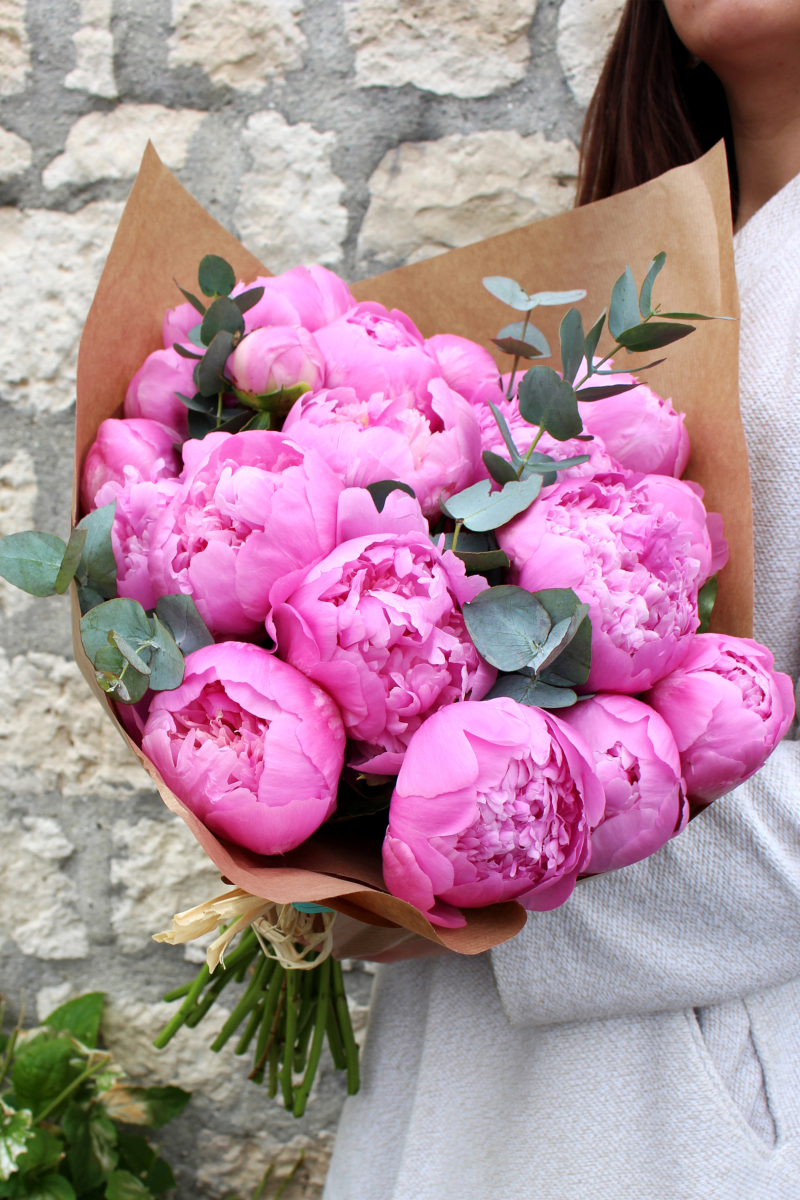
[655,107]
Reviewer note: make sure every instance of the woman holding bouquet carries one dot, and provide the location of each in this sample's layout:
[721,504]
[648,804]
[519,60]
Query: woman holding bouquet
[643,1040]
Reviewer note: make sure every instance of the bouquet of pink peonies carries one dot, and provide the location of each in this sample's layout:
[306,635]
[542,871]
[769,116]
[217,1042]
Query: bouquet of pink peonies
[399,635]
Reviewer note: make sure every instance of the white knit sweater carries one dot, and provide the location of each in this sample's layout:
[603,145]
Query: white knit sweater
[643,1041]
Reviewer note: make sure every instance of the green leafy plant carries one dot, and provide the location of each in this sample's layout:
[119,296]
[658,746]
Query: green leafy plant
[61,1102]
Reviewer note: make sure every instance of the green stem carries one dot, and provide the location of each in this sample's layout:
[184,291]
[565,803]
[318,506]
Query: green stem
[456,532]
[323,1000]
[274,1050]
[172,1027]
[249,1033]
[264,1181]
[219,408]
[291,1032]
[76,1083]
[178,992]
[9,1054]
[290,1176]
[245,1005]
[594,369]
[335,1041]
[228,976]
[269,1021]
[345,1027]
[529,452]
[516,360]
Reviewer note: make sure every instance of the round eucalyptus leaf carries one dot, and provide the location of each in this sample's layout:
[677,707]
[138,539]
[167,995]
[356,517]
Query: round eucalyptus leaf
[215,276]
[32,561]
[507,625]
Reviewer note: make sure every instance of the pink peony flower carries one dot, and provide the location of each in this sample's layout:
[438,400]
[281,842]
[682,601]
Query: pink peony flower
[378,624]
[637,762]
[640,429]
[727,708]
[367,441]
[636,551]
[249,745]
[152,391]
[177,324]
[372,350]
[493,802]
[307,296]
[465,366]
[145,447]
[270,359]
[140,504]
[250,509]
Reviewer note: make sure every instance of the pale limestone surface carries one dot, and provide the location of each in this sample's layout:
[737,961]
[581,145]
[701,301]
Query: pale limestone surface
[428,197]
[55,736]
[18,492]
[94,51]
[38,901]
[242,43]
[290,209]
[586,30]
[161,871]
[111,145]
[15,50]
[240,1164]
[52,263]
[15,155]
[452,47]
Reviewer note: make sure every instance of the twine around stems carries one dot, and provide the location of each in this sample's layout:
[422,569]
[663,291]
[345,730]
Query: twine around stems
[285,934]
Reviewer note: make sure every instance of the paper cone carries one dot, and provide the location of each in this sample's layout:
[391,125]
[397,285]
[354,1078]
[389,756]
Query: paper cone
[163,235]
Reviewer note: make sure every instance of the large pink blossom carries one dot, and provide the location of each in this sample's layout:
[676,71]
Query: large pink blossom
[249,745]
[728,708]
[494,801]
[365,441]
[639,428]
[636,551]
[638,764]
[307,296]
[250,509]
[279,357]
[377,623]
[144,447]
[464,365]
[373,350]
[140,504]
[152,391]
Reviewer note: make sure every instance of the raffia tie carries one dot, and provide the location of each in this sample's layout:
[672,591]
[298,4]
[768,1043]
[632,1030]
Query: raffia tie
[284,933]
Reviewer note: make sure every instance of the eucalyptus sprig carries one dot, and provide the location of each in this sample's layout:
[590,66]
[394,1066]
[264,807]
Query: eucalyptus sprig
[522,339]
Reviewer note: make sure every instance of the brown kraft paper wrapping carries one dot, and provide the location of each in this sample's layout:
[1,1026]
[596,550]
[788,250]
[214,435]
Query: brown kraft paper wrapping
[163,235]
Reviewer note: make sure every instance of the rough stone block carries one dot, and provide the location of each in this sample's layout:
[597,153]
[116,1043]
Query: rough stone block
[15,155]
[52,262]
[38,902]
[452,47]
[15,50]
[428,197]
[290,209]
[586,30]
[111,145]
[94,51]
[18,492]
[242,43]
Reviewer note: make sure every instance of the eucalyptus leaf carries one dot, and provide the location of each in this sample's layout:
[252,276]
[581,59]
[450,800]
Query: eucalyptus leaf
[32,561]
[215,276]
[530,691]
[184,352]
[623,312]
[587,395]
[210,374]
[518,331]
[198,402]
[477,551]
[653,335]
[245,300]
[574,663]
[537,463]
[88,598]
[166,660]
[505,433]
[180,615]
[128,652]
[706,599]
[381,490]
[499,468]
[571,335]
[280,401]
[127,690]
[196,304]
[98,567]
[645,296]
[519,349]
[222,315]
[507,625]
[549,402]
[200,424]
[681,316]
[551,298]
[125,616]
[559,638]
[591,340]
[509,291]
[194,336]
[481,509]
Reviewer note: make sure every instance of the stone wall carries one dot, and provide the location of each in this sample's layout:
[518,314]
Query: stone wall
[355,133]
